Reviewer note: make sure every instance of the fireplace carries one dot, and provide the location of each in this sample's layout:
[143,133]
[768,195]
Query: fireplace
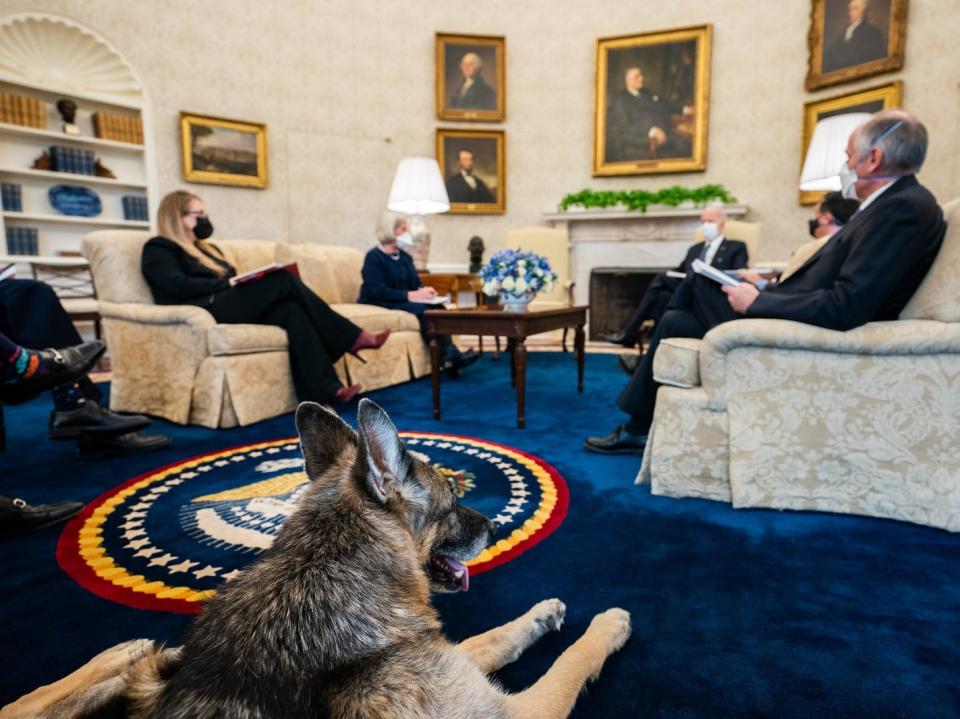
[615,293]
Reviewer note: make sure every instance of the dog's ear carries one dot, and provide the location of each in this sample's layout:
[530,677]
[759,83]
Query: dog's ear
[386,458]
[323,437]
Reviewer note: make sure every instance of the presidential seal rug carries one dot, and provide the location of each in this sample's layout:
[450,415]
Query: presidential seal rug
[166,539]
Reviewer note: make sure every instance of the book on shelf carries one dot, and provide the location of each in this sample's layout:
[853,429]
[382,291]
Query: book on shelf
[22,241]
[12,196]
[260,272]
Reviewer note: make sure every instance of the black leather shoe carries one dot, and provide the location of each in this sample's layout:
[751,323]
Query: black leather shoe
[465,359]
[62,366]
[17,517]
[620,442]
[629,362]
[100,447]
[617,338]
[92,419]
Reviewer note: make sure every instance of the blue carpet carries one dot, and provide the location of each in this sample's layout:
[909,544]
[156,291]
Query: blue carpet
[735,613]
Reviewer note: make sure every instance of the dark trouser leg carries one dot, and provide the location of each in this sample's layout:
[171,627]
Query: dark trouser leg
[639,396]
[31,315]
[252,302]
[314,378]
[447,349]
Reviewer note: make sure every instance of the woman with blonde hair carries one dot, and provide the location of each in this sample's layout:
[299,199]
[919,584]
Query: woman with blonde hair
[182,268]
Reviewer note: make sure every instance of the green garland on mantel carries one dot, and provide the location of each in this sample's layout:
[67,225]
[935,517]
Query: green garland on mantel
[641,199]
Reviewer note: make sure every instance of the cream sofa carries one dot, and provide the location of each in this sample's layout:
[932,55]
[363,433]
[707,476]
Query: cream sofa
[176,362]
[770,413]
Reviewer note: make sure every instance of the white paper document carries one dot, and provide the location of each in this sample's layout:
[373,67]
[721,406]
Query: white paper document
[722,278]
[442,300]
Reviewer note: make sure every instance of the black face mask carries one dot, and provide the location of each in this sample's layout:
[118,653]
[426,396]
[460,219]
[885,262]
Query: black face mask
[813,223]
[203,229]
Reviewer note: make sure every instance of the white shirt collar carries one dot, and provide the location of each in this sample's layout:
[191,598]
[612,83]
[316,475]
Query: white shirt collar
[712,249]
[874,195]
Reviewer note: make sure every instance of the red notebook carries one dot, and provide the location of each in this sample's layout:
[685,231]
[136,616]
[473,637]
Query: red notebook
[261,272]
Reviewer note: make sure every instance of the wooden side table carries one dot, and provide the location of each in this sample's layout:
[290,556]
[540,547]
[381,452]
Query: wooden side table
[516,326]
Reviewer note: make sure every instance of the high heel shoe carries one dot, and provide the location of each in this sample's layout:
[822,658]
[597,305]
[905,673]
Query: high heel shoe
[368,341]
[345,394]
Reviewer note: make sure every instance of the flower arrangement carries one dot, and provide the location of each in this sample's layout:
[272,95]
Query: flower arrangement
[517,274]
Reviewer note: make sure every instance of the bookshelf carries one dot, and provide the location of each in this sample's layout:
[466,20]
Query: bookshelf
[107,89]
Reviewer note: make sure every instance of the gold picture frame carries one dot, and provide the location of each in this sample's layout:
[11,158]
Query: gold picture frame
[488,195]
[468,88]
[871,99]
[849,43]
[217,151]
[671,102]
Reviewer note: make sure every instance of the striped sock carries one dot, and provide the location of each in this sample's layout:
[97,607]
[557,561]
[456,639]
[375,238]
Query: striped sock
[19,363]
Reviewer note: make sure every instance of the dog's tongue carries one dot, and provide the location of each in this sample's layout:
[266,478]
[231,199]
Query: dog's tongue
[455,567]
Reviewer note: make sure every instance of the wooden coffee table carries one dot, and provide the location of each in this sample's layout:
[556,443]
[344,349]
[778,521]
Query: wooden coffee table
[516,326]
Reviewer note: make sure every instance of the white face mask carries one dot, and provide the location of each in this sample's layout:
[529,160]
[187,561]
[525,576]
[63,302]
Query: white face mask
[709,230]
[848,182]
[405,240]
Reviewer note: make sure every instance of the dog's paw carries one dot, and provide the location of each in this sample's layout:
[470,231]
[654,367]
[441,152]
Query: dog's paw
[614,626]
[549,614]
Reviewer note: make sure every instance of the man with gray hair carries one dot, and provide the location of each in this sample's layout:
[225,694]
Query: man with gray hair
[474,93]
[866,272]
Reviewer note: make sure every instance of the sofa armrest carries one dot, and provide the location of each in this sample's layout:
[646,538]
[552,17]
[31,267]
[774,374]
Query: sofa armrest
[196,317]
[900,337]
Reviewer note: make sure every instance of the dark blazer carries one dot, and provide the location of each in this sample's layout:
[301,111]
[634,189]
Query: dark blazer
[869,270]
[865,44]
[459,191]
[731,255]
[177,278]
[480,96]
[387,281]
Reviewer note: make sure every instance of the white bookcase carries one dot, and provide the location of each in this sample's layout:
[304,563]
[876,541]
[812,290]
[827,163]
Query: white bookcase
[69,61]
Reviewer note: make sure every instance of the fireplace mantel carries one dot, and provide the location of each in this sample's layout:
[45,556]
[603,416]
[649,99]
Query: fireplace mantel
[656,239]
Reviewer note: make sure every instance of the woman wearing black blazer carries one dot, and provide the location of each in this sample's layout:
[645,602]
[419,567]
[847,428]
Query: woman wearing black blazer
[182,268]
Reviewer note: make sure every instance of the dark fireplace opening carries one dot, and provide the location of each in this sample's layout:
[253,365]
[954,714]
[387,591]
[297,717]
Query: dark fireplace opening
[615,293]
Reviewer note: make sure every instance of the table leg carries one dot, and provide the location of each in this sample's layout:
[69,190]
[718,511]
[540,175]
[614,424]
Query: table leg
[435,374]
[520,351]
[511,350]
[578,347]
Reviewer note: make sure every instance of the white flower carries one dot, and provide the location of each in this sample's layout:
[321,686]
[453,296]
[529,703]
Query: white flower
[491,288]
[508,283]
[521,265]
[520,286]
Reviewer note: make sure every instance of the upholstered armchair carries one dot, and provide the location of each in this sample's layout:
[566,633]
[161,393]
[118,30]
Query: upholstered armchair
[770,413]
[176,362]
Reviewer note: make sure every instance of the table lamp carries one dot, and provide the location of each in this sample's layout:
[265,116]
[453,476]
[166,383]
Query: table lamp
[418,190]
[827,152]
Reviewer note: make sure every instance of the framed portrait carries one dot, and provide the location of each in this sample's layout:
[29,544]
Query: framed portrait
[652,98]
[471,77]
[223,152]
[871,100]
[852,39]
[474,170]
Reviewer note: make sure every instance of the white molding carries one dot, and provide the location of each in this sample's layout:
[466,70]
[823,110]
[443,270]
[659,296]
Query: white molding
[61,137]
[95,221]
[71,177]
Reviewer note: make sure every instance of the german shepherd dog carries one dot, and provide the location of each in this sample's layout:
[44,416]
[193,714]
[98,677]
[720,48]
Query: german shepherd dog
[334,620]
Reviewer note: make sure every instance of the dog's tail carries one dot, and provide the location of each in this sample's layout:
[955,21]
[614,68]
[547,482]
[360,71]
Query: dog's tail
[148,678]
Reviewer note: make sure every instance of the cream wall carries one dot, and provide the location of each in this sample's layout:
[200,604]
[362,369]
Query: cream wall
[346,89]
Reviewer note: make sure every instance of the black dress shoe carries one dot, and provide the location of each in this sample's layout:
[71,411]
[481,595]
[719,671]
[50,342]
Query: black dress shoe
[17,517]
[100,447]
[465,359]
[618,338]
[629,362]
[62,366]
[92,419]
[620,442]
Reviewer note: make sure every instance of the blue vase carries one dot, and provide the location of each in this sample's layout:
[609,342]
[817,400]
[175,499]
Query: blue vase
[513,303]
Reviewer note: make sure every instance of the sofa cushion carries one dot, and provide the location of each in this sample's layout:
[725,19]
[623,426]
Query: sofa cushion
[315,269]
[223,340]
[937,297]
[377,319]
[114,257]
[677,362]
[246,255]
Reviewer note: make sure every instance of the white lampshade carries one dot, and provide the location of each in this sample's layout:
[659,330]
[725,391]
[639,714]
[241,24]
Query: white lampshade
[418,188]
[827,152]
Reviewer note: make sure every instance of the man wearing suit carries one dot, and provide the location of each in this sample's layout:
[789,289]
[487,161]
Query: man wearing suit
[463,185]
[473,93]
[859,42]
[638,122]
[715,250]
[866,272]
